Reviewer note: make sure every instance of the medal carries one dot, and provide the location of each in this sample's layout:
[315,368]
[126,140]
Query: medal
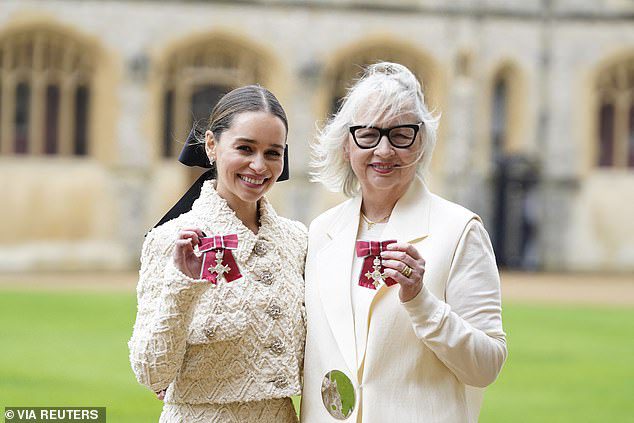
[218,261]
[373,273]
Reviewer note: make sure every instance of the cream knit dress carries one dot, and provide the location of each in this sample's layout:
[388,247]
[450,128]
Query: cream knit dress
[231,352]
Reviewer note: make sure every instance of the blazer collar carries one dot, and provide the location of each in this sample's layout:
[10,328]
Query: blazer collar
[409,221]
[347,217]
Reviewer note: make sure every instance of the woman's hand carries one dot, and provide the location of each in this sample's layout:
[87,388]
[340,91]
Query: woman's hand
[404,264]
[185,259]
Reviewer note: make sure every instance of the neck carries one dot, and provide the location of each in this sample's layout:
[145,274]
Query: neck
[248,214]
[246,211]
[377,206]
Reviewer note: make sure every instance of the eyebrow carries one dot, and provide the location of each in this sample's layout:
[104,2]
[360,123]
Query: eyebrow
[250,141]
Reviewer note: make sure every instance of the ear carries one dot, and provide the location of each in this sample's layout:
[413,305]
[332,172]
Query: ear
[346,151]
[210,144]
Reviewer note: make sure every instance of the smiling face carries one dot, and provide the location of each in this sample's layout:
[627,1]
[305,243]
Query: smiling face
[249,156]
[384,169]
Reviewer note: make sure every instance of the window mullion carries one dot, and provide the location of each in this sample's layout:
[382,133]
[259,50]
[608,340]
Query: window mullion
[182,114]
[66,108]
[621,118]
[8,88]
[37,98]
[5,109]
[36,123]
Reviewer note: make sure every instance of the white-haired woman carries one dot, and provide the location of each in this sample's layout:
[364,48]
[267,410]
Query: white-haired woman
[402,289]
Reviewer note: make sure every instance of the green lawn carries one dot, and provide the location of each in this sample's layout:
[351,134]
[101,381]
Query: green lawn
[565,365]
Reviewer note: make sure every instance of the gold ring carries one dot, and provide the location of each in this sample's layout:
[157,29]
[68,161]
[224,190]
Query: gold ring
[407,272]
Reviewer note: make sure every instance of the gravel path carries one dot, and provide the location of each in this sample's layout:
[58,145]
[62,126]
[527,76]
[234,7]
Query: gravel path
[569,288]
[597,289]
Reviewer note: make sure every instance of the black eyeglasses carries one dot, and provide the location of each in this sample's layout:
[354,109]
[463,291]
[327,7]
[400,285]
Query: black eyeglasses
[401,136]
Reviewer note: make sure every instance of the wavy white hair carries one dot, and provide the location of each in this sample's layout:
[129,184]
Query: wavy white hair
[384,92]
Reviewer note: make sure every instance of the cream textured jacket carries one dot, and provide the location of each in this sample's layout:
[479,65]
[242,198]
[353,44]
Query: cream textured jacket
[238,341]
[425,360]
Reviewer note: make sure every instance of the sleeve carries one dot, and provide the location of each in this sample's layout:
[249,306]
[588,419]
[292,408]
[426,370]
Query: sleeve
[165,302]
[465,332]
[302,243]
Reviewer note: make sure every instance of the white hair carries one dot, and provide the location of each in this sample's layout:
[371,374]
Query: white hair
[384,92]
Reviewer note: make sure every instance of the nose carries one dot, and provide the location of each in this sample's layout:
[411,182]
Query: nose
[384,148]
[258,164]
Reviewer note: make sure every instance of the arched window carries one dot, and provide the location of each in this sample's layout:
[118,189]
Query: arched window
[45,82]
[615,115]
[195,77]
[351,67]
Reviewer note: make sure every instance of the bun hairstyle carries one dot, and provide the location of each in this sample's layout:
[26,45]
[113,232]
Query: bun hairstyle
[385,91]
[250,98]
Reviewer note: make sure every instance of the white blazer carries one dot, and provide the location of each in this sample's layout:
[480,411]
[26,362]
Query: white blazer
[423,358]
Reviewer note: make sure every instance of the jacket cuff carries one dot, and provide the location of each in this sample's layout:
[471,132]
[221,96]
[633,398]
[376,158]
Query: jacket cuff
[425,310]
[180,285]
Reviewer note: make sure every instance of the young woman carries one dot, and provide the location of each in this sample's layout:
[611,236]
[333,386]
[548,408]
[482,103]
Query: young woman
[219,333]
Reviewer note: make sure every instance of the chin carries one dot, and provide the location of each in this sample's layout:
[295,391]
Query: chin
[384,182]
[253,195]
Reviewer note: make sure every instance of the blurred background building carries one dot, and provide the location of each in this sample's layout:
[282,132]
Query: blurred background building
[97,98]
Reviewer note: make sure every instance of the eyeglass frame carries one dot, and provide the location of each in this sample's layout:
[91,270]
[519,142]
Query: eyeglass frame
[385,132]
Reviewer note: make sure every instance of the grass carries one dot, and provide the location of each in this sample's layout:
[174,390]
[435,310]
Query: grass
[566,364]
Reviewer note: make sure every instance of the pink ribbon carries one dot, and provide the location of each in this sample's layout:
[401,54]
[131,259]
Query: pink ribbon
[371,250]
[210,247]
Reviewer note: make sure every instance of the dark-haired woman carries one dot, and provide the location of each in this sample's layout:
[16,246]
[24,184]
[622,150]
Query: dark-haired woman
[219,333]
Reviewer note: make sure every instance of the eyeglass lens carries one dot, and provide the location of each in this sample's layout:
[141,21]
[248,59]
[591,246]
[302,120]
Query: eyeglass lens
[399,137]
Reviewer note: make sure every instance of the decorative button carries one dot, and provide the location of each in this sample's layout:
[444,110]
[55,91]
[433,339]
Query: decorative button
[209,332]
[274,311]
[266,277]
[277,347]
[260,248]
[279,382]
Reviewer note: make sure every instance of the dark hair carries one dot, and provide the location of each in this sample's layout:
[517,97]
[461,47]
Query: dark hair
[250,98]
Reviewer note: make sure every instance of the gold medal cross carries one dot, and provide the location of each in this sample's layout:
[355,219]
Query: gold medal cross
[376,275]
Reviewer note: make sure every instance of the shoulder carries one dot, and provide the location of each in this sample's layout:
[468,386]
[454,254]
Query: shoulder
[442,205]
[460,227]
[294,227]
[447,213]
[294,234]
[160,240]
[328,217]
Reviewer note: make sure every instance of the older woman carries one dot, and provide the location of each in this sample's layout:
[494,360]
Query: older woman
[219,333]
[402,289]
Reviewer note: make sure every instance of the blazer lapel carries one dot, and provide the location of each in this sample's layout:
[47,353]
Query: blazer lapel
[409,222]
[335,260]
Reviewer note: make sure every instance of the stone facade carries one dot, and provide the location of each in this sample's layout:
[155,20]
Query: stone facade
[67,212]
